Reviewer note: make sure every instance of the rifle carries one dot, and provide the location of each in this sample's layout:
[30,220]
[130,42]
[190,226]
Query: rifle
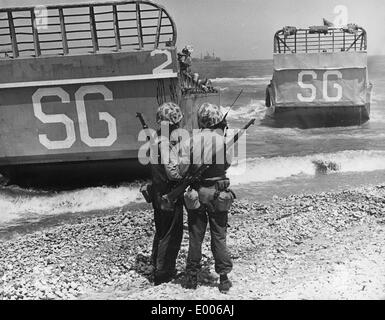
[224,121]
[140,117]
[180,188]
[145,189]
[236,99]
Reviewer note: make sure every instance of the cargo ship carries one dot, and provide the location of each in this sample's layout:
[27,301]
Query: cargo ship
[320,77]
[73,78]
[207,58]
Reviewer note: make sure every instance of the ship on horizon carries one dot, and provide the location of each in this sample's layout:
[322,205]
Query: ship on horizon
[207,58]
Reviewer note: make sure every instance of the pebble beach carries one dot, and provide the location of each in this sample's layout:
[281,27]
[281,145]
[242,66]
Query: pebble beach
[290,247]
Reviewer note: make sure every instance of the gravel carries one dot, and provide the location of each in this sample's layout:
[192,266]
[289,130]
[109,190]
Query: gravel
[109,256]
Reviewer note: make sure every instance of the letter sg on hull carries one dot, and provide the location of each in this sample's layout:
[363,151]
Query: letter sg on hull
[68,99]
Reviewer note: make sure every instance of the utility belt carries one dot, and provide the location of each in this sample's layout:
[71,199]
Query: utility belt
[154,197]
[213,193]
[209,182]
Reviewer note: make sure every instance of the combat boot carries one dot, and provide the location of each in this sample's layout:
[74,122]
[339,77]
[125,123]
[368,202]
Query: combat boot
[224,283]
[192,281]
[164,277]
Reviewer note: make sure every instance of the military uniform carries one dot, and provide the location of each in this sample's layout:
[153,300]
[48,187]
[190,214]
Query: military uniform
[200,148]
[168,221]
[185,63]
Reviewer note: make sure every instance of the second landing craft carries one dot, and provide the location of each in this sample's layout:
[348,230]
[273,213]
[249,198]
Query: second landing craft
[320,77]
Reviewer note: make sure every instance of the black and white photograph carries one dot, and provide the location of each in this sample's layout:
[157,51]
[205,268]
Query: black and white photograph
[214,151]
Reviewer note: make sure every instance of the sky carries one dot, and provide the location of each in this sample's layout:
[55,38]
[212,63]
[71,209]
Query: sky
[244,29]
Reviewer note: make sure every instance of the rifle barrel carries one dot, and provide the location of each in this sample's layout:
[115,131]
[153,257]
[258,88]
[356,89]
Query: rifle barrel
[181,187]
[236,99]
[140,117]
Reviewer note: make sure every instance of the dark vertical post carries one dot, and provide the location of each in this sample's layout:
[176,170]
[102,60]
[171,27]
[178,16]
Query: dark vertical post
[63,31]
[275,44]
[306,33]
[139,25]
[158,29]
[35,34]
[362,41]
[94,34]
[116,28]
[295,42]
[12,33]
[319,42]
[333,35]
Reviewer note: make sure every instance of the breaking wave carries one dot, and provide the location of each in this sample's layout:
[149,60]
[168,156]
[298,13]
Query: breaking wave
[269,169]
[255,109]
[249,81]
[16,203]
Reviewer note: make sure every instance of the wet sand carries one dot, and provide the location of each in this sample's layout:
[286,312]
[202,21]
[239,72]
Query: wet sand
[315,246]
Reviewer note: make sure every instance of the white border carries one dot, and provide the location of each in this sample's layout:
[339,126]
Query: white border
[87,80]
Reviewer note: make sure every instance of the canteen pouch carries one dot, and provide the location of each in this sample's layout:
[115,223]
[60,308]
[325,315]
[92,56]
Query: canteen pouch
[222,185]
[146,191]
[191,199]
[206,197]
[223,200]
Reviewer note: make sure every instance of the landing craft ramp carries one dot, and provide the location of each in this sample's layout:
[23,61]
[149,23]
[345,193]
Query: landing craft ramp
[320,77]
[73,78]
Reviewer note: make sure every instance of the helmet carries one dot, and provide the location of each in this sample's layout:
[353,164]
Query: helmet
[169,112]
[209,115]
[188,49]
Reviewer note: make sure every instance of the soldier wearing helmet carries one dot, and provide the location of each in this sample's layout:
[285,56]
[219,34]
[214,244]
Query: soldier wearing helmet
[209,200]
[185,59]
[188,50]
[185,62]
[168,217]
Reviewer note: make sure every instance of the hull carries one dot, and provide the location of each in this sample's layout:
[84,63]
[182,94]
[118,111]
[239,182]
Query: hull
[93,168]
[79,108]
[313,117]
[319,90]
[66,119]
[69,175]
[69,94]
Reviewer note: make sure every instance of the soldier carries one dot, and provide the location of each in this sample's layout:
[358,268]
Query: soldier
[185,62]
[185,59]
[168,218]
[210,199]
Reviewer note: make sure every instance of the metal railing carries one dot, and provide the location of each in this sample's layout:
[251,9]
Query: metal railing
[319,39]
[85,28]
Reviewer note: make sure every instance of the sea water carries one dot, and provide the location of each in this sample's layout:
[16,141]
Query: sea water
[280,161]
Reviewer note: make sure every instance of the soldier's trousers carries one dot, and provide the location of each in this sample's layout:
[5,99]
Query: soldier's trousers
[167,240]
[197,224]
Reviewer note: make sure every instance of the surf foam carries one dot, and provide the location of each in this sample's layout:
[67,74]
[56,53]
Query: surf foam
[249,81]
[269,169]
[255,109]
[16,205]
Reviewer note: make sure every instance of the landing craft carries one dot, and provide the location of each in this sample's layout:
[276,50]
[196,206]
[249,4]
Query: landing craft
[73,78]
[320,77]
